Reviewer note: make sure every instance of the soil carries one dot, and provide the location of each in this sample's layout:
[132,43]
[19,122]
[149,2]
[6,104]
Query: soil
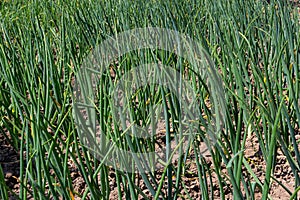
[10,163]
[9,160]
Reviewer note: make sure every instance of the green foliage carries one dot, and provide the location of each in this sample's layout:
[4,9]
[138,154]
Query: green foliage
[255,46]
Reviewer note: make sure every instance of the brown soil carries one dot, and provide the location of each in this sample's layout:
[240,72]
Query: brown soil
[10,164]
